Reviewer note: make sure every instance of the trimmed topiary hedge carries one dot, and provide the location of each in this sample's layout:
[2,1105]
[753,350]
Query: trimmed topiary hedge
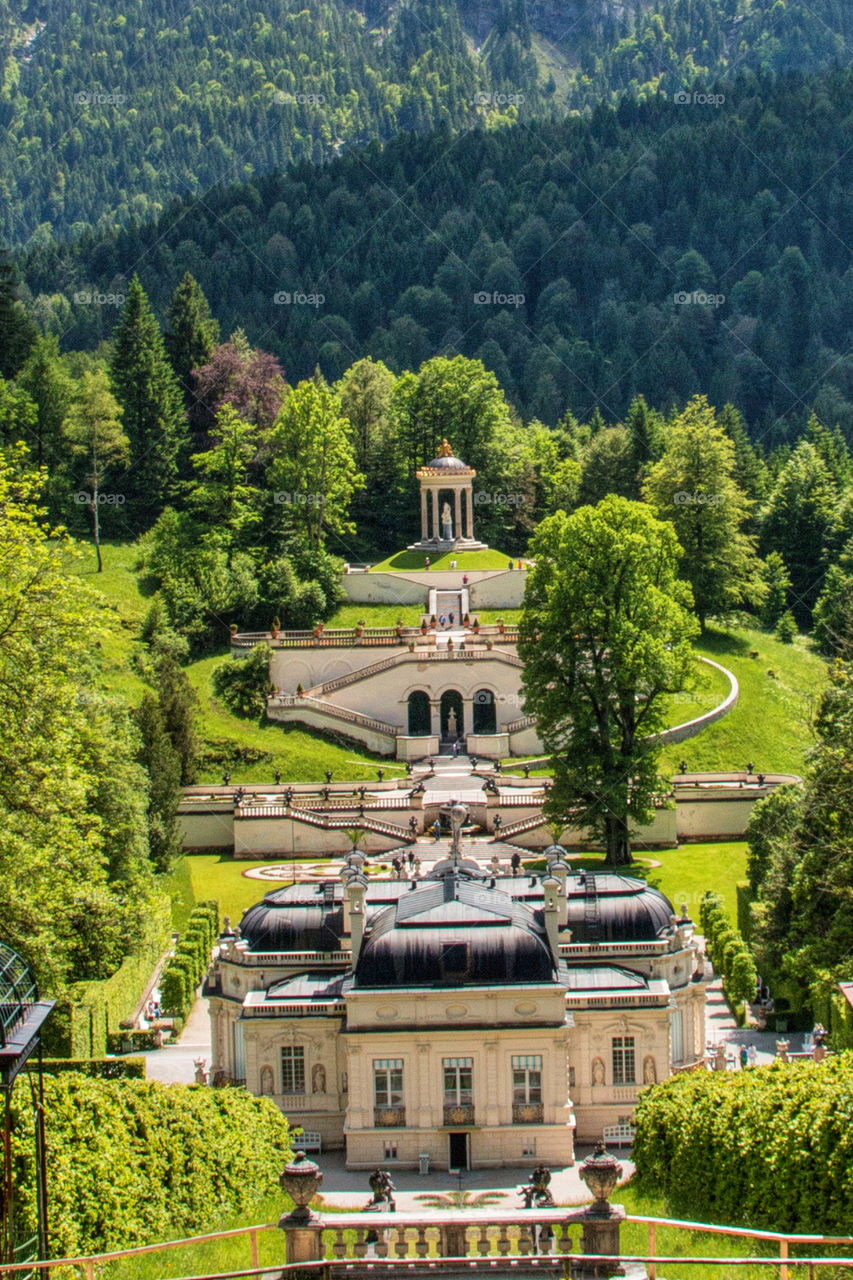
[81,1021]
[131,1162]
[98,1068]
[186,969]
[727,951]
[771,1147]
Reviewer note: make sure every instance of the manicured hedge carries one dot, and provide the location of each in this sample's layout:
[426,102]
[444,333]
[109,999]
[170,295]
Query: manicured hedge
[133,1161]
[727,951]
[80,1023]
[771,1147]
[187,967]
[135,1041]
[98,1068]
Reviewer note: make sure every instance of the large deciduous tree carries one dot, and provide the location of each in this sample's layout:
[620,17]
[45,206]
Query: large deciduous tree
[153,412]
[313,467]
[693,487]
[605,634]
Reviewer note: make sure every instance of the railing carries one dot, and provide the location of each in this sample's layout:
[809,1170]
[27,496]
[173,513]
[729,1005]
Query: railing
[338,713]
[471,1235]
[389,1117]
[528,1113]
[458,1113]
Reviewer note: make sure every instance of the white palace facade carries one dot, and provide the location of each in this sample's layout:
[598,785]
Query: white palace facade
[476,1017]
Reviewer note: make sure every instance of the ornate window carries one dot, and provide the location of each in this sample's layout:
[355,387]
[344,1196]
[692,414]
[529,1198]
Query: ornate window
[293,1069]
[458,1090]
[527,1089]
[388,1108]
[624,1069]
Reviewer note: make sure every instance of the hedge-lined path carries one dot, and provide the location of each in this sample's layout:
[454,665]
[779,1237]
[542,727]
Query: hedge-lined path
[174,1064]
[720,1025]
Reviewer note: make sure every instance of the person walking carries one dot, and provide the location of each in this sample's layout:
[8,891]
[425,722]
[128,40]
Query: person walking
[515,863]
[436,830]
[744,1057]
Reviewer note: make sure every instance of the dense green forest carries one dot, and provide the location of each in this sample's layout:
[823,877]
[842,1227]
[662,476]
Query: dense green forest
[654,249]
[109,108]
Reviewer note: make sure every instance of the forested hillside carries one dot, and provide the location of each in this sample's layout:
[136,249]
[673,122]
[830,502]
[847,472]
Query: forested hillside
[109,108]
[657,248]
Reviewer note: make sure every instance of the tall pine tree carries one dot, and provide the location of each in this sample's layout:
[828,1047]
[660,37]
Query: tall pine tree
[193,332]
[153,412]
[17,330]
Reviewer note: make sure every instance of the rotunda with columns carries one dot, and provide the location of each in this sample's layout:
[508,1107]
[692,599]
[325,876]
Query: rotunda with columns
[444,528]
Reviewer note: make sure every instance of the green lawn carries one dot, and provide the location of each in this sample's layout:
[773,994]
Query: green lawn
[214,876]
[386,615]
[685,874]
[489,559]
[770,725]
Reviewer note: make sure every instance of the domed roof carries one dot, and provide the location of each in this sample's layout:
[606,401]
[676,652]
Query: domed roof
[280,924]
[454,933]
[446,461]
[614,908]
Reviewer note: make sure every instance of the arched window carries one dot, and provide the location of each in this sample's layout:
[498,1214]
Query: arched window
[485,719]
[419,714]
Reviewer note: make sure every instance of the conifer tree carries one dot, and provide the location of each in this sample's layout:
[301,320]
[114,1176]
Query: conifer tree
[17,330]
[193,332]
[148,391]
[163,764]
[179,709]
[45,380]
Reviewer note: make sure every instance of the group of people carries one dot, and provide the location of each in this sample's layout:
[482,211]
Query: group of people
[399,865]
[445,620]
[153,1010]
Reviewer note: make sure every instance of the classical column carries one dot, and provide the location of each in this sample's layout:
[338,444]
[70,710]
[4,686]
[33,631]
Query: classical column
[469,494]
[467,716]
[435,717]
[436,527]
[457,520]
[424,515]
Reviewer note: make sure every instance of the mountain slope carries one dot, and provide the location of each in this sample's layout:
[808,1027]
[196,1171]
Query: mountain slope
[109,108]
[657,248]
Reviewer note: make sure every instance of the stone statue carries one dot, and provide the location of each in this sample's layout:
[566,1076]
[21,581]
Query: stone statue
[200,1073]
[536,1194]
[451,723]
[383,1192]
[318,1078]
[446,523]
[266,1082]
[650,1074]
[598,1076]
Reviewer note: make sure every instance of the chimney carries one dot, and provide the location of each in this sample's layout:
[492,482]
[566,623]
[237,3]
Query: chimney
[551,887]
[354,889]
[560,871]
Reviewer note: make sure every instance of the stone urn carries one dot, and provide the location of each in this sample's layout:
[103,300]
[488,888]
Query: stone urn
[301,1180]
[600,1171]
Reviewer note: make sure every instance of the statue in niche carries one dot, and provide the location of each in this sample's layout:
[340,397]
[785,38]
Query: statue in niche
[598,1075]
[318,1078]
[451,723]
[446,523]
[650,1071]
[266,1082]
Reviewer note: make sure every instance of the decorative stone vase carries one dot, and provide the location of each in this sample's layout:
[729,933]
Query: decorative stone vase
[601,1172]
[301,1180]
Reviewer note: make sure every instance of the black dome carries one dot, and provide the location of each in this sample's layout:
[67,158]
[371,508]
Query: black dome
[454,933]
[291,926]
[613,908]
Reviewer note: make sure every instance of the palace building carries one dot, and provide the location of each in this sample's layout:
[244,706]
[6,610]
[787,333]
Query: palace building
[472,1016]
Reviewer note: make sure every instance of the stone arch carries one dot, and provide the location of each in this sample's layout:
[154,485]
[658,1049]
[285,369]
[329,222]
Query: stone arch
[451,700]
[419,713]
[485,711]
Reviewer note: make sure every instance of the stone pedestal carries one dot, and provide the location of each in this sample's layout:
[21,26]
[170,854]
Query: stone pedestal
[600,1236]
